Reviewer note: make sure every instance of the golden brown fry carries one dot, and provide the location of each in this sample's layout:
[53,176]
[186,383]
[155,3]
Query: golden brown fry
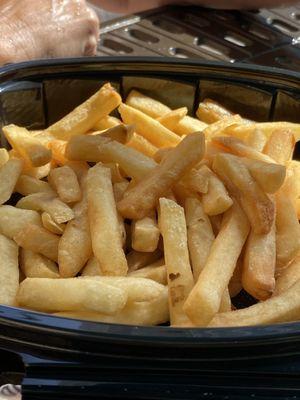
[179,273]
[146,104]
[35,265]
[142,198]
[64,181]
[205,298]
[256,204]
[58,148]
[210,111]
[200,234]
[280,145]
[291,185]
[148,127]
[9,271]
[140,144]
[197,179]
[189,125]
[86,148]
[287,231]
[218,128]
[216,223]
[9,175]
[28,184]
[282,308]
[85,116]
[118,133]
[38,240]
[103,221]
[172,118]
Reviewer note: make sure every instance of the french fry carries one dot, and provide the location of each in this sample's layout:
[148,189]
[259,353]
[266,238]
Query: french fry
[145,234]
[4,157]
[137,260]
[256,204]
[172,118]
[13,220]
[9,175]
[282,308]
[58,148]
[179,273]
[148,127]
[139,313]
[118,133]
[147,105]
[257,139]
[210,111]
[225,304]
[86,148]
[291,185]
[137,289]
[216,200]
[75,247]
[52,295]
[103,221]
[38,240]
[199,233]
[116,176]
[156,273]
[189,125]
[197,179]
[269,176]
[119,189]
[85,116]
[80,168]
[64,181]
[142,198]
[9,271]
[161,154]
[92,268]
[140,144]
[216,223]
[28,185]
[35,265]
[235,283]
[107,122]
[39,172]
[205,298]
[280,145]
[45,202]
[218,128]
[258,276]
[52,226]
[287,232]
[288,277]
[28,146]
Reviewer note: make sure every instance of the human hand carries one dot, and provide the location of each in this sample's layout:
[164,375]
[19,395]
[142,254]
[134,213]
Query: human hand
[31,29]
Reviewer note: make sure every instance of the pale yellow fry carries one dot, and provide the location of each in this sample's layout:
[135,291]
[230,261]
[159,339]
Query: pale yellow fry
[13,220]
[172,118]
[92,268]
[235,283]
[103,221]
[280,145]
[161,154]
[137,289]
[58,148]
[28,184]
[146,104]
[269,176]
[179,273]
[256,204]
[9,271]
[291,185]
[75,247]
[189,125]
[39,172]
[156,273]
[210,111]
[217,200]
[9,175]
[52,226]
[65,182]
[35,265]
[38,240]
[140,144]
[28,146]
[148,127]
[287,231]
[153,312]
[4,156]
[218,128]
[205,298]
[145,234]
[59,211]
[238,147]
[107,122]
[258,276]
[80,168]
[200,234]
[288,277]
[44,294]
[85,116]
[282,308]
[197,179]
[257,139]
[137,260]
[225,304]
[143,197]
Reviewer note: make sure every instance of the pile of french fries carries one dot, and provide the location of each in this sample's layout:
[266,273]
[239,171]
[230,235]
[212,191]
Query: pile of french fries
[152,217]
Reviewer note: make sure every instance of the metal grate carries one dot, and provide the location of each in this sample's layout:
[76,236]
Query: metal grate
[267,37]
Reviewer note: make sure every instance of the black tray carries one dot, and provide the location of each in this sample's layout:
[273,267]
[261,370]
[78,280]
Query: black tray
[147,362]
